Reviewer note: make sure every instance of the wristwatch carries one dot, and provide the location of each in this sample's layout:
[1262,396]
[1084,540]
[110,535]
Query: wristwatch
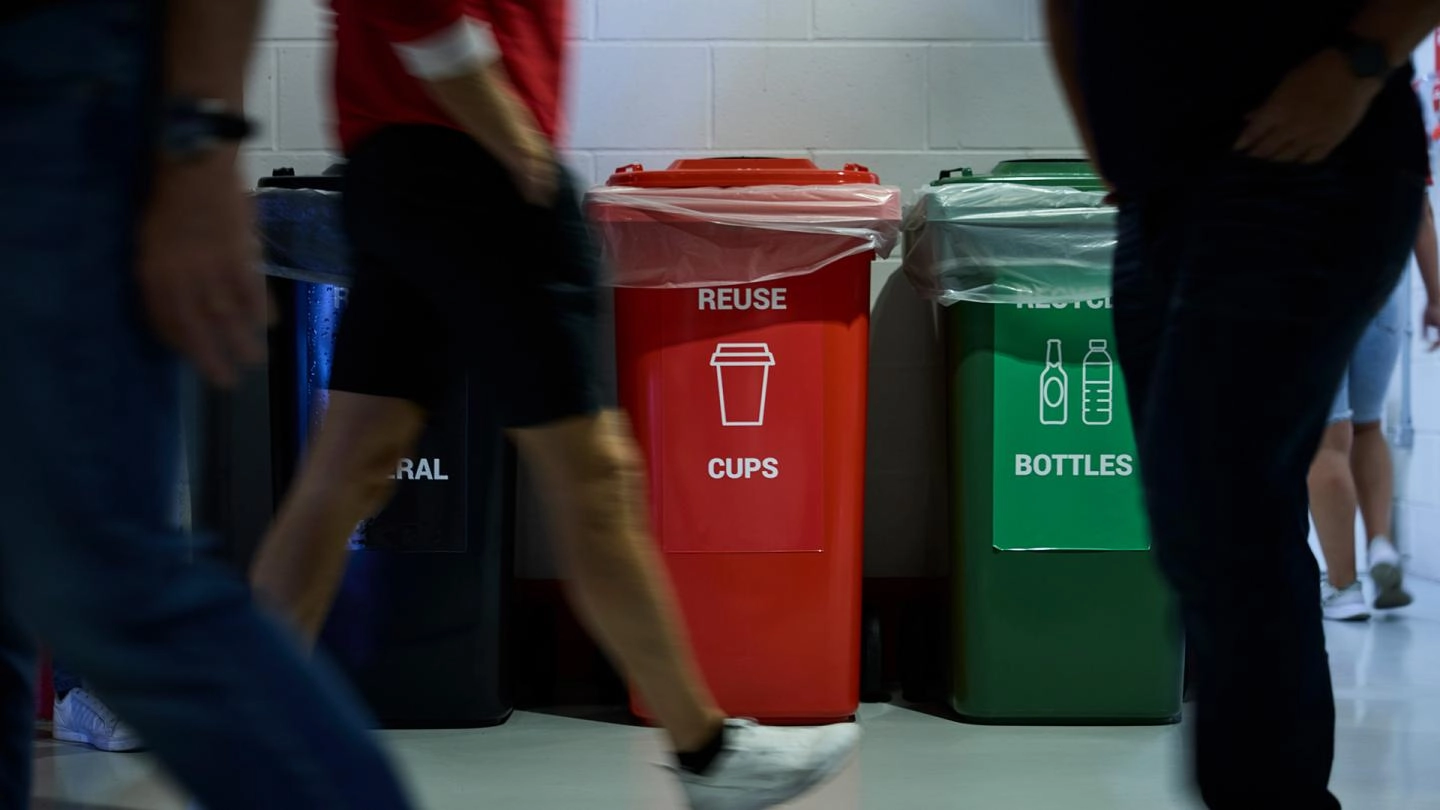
[1367,58]
[191,128]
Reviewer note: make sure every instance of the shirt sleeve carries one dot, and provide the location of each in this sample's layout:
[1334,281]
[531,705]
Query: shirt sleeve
[435,39]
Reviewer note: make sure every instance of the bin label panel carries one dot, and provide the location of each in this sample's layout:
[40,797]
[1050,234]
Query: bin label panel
[428,511]
[738,455]
[1065,469]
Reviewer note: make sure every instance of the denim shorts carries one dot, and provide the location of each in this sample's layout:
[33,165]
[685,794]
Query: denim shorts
[1366,383]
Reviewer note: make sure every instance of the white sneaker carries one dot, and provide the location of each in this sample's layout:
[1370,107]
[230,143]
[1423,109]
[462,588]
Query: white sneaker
[1388,573]
[82,718]
[762,766]
[1344,604]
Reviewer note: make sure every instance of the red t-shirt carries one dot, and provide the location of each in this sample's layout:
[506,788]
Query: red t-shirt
[383,45]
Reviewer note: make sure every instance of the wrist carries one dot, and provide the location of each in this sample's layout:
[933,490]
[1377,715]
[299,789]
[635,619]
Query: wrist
[195,130]
[1367,58]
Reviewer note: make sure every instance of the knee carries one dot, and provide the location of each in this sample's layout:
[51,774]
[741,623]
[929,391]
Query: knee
[607,481]
[361,472]
[1330,472]
[1367,430]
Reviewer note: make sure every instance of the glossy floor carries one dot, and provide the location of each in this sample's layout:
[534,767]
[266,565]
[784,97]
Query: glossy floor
[1387,676]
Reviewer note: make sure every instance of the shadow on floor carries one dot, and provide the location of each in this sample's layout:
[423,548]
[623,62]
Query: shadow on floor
[68,804]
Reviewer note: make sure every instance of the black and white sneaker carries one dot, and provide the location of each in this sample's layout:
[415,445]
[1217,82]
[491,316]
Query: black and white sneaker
[762,766]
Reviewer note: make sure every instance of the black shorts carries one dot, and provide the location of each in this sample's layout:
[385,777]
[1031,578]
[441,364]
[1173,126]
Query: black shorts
[456,273]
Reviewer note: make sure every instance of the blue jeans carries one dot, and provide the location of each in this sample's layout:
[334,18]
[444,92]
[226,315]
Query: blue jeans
[90,559]
[1238,300]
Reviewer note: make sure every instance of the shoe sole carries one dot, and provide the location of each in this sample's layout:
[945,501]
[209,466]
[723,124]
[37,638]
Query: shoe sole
[1356,614]
[818,777]
[79,738]
[834,767]
[1389,593]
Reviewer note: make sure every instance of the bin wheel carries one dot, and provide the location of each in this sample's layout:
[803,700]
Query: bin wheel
[872,661]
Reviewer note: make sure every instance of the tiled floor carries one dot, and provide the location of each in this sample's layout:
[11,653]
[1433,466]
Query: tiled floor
[1387,676]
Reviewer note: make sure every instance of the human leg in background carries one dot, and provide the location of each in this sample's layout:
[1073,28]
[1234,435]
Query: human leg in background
[89,556]
[344,479]
[588,474]
[1333,496]
[1374,472]
[1370,460]
[1224,294]
[1375,478]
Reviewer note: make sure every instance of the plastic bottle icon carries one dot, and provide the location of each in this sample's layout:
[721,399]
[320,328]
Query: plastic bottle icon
[1098,381]
[1054,387]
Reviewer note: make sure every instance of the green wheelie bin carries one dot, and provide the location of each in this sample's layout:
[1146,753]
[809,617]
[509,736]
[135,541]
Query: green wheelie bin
[1060,614]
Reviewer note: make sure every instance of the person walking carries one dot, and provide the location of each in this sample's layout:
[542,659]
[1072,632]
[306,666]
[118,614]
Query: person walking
[1269,163]
[1353,469]
[126,242]
[471,254]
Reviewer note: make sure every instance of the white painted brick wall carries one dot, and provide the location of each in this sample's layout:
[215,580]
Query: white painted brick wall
[1419,518]
[641,20]
[894,85]
[907,87]
[942,20]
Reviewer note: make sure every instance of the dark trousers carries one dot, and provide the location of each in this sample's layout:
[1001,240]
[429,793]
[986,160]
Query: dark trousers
[1238,299]
[90,557]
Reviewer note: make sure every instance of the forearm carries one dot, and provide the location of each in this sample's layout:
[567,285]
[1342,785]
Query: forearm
[1060,21]
[207,48]
[1399,25]
[1427,255]
[207,51]
[483,102]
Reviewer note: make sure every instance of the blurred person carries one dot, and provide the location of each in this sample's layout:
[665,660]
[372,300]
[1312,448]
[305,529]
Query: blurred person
[125,243]
[1269,162]
[78,714]
[1354,469]
[472,254]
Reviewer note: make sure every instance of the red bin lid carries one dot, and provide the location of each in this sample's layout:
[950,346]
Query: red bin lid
[733,172]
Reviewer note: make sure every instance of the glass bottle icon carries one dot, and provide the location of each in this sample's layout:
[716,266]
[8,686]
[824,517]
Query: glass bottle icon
[1054,387]
[1098,383]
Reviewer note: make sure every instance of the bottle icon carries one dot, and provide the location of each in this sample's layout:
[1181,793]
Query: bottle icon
[1098,383]
[1054,387]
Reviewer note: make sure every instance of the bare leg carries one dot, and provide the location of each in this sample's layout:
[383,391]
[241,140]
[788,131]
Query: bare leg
[1332,503]
[589,472]
[345,478]
[1374,479]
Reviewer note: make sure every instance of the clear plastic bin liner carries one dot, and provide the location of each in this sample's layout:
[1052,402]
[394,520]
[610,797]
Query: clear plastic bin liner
[702,237]
[302,235]
[1004,243]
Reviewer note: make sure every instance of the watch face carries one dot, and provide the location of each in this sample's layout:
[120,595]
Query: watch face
[186,136]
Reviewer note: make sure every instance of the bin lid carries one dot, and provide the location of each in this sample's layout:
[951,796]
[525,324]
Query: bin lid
[1076,174]
[332,180]
[732,172]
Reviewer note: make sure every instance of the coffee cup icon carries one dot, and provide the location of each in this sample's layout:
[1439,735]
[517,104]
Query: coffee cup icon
[742,373]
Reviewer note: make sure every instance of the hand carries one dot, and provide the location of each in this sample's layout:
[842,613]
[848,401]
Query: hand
[198,267]
[1313,111]
[1430,322]
[533,166]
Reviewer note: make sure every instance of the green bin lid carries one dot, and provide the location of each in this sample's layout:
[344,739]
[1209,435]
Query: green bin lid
[1076,174]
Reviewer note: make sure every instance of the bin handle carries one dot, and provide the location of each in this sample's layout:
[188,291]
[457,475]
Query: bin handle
[963,172]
